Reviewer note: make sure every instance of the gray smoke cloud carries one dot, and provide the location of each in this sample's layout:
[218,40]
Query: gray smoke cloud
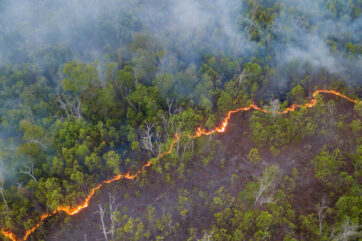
[312,50]
[85,27]
[311,29]
[185,29]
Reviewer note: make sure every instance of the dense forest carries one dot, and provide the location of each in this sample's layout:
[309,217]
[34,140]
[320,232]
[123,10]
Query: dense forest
[94,89]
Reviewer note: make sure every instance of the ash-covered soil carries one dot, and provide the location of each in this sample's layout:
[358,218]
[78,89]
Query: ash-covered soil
[230,156]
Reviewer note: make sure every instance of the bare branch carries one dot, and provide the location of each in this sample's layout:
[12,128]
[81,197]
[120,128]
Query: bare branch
[146,136]
[348,230]
[28,169]
[72,106]
[205,237]
[63,105]
[274,107]
[321,211]
[112,208]
[171,109]
[101,215]
[267,184]
[38,142]
[112,217]
[169,104]
[130,102]
[134,71]
[242,76]
[184,151]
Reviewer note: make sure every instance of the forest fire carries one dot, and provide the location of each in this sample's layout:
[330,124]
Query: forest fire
[72,211]
[310,104]
[129,176]
[225,122]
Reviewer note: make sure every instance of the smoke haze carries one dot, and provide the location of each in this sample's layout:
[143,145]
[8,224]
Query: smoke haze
[186,29]
[47,34]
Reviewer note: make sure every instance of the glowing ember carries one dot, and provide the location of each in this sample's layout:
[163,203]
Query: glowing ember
[199,132]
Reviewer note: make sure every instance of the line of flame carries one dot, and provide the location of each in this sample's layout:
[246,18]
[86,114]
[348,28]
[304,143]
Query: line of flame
[199,132]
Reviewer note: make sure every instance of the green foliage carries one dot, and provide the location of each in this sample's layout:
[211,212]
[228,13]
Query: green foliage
[349,207]
[49,191]
[279,131]
[79,76]
[224,102]
[93,162]
[103,105]
[327,166]
[296,95]
[254,155]
[66,126]
[113,161]
[165,82]
[182,203]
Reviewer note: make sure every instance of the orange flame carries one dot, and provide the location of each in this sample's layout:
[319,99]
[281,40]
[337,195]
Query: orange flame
[199,132]
[9,235]
[225,122]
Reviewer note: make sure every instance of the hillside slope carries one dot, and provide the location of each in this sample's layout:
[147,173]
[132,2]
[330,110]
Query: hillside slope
[231,187]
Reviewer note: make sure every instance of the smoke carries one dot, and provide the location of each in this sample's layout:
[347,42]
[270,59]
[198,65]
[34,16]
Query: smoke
[49,33]
[309,30]
[313,50]
[33,25]
[187,28]
[87,27]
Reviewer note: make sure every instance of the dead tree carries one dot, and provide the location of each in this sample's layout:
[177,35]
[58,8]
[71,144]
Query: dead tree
[252,26]
[205,237]
[348,230]
[321,211]
[149,138]
[112,216]
[63,106]
[77,108]
[242,76]
[28,169]
[127,97]
[274,107]
[171,109]
[126,94]
[146,136]
[112,208]
[267,184]
[38,142]
[265,193]
[134,71]
[71,107]
[101,215]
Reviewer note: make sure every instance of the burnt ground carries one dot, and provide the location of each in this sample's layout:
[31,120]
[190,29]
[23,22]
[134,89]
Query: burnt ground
[231,157]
